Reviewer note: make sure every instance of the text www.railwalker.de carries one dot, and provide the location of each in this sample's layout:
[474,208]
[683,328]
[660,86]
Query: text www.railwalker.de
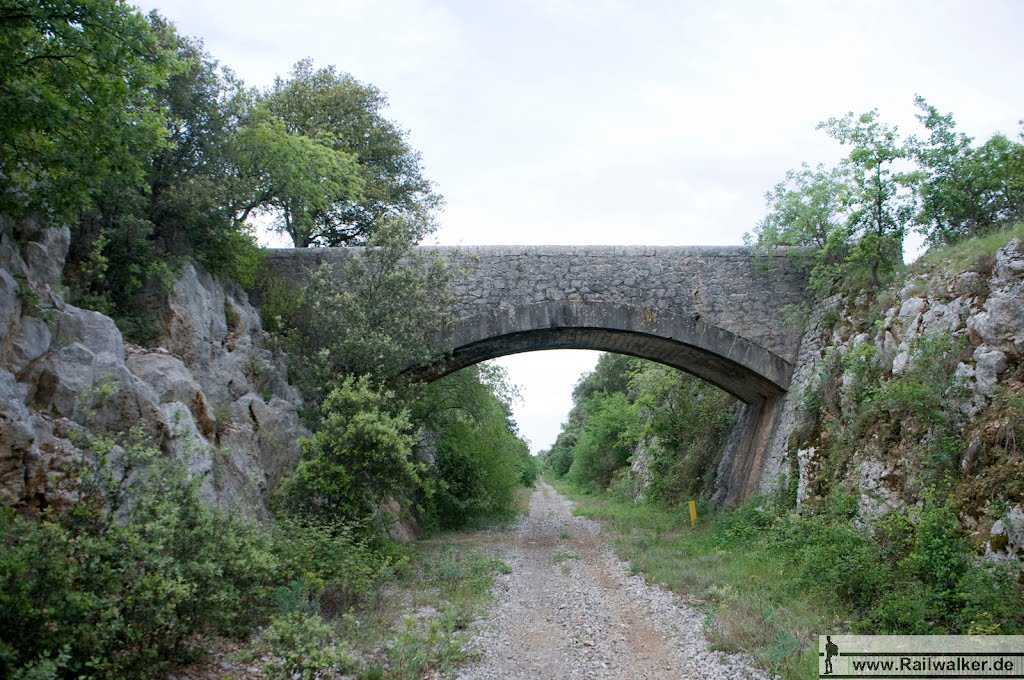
[921,656]
[928,664]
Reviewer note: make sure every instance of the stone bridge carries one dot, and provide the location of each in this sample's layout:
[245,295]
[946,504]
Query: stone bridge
[714,312]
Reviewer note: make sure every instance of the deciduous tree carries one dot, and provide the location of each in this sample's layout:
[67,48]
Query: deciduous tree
[77,84]
[346,115]
[965,191]
[881,201]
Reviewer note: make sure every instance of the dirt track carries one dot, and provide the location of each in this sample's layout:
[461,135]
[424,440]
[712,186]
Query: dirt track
[569,609]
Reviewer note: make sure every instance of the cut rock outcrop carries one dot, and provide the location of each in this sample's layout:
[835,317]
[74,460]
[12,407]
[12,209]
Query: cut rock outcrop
[214,394]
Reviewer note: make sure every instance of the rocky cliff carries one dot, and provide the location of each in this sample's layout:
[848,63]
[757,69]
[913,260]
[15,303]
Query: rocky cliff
[922,382]
[211,392]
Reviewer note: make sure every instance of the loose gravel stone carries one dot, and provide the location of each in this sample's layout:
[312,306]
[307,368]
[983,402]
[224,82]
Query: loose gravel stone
[570,609]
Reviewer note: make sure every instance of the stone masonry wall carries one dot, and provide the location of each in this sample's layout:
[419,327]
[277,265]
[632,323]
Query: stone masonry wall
[722,286]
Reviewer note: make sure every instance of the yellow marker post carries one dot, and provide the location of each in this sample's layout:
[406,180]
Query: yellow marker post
[693,513]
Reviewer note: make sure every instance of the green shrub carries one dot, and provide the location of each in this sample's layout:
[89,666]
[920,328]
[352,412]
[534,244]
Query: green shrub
[686,422]
[303,645]
[120,584]
[559,460]
[325,567]
[529,468]
[604,445]
[480,461]
[990,600]
[836,559]
[359,458]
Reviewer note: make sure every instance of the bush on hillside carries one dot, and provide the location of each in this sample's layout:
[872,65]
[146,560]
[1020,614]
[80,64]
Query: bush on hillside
[118,584]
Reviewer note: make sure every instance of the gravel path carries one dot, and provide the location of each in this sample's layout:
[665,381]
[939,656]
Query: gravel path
[569,609]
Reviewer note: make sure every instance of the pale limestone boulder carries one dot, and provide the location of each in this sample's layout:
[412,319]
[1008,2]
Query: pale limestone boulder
[30,340]
[943,317]
[912,288]
[189,444]
[1000,324]
[197,329]
[45,256]
[808,466]
[1014,523]
[966,285]
[9,304]
[94,331]
[640,468]
[171,381]
[901,360]
[879,491]
[1009,264]
[988,366]
[17,437]
[278,430]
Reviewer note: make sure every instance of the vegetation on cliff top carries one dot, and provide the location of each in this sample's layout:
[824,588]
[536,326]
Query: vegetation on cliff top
[152,152]
[856,215]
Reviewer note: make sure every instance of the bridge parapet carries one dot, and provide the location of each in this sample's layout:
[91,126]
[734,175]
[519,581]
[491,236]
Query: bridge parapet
[723,287]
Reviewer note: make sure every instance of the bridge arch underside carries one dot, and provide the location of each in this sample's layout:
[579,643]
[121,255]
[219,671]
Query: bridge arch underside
[748,371]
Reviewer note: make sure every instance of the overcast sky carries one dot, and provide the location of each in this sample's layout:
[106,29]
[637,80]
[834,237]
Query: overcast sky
[607,122]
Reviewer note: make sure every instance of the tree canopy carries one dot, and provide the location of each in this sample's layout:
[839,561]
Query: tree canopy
[854,216]
[77,98]
[342,114]
[153,153]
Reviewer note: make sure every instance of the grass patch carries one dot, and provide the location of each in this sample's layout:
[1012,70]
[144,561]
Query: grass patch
[445,588]
[968,254]
[564,556]
[772,581]
[412,626]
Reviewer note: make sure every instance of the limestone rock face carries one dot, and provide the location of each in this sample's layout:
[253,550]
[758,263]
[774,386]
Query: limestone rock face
[640,468]
[982,312]
[1000,324]
[215,394]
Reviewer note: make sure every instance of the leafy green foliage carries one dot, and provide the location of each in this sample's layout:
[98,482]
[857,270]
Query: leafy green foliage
[297,179]
[880,203]
[118,584]
[603,446]
[77,101]
[326,567]
[303,645]
[611,375]
[345,116]
[681,422]
[807,215]
[154,154]
[378,315]
[138,226]
[847,223]
[359,458]
[480,460]
[967,191]
[685,422]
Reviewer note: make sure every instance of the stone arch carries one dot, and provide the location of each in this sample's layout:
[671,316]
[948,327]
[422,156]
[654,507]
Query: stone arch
[712,311]
[748,371]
